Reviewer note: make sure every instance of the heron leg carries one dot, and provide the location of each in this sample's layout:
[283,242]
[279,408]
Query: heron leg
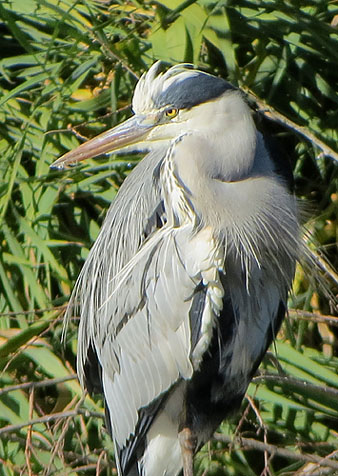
[188,444]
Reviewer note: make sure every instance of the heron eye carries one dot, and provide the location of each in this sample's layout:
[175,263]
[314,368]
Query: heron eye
[171,112]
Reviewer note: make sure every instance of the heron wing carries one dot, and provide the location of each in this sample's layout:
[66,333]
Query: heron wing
[144,339]
[136,213]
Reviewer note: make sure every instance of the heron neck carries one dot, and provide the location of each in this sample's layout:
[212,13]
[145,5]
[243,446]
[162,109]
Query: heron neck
[213,183]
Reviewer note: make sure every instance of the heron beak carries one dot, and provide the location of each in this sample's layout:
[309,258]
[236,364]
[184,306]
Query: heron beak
[125,135]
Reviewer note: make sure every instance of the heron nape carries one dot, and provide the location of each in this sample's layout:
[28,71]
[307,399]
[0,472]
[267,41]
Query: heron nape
[187,284]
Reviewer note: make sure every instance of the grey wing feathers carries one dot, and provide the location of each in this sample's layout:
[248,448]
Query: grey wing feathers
[154,331]
[124,229]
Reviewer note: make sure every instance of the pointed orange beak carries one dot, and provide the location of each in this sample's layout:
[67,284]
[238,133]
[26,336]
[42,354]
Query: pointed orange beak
[124,136]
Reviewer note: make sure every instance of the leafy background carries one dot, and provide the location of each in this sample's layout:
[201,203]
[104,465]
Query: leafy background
[67,72]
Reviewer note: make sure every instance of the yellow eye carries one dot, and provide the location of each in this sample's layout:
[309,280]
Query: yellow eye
[171,112]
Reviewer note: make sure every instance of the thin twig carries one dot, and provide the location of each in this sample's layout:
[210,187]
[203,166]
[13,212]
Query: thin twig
[49,418]
[87,467]
[28,446]
[325,391]
[73,129]
[33,311]
[43,383]
[65,426]
[274,450]
[241,421]
[305,470]
[313,317]
[114,56]
[98,464]
[266,470]
[323,265]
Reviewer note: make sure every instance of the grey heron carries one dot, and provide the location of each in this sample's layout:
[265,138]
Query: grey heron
[187,283]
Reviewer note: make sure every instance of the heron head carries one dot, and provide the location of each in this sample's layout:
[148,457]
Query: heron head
[165,105]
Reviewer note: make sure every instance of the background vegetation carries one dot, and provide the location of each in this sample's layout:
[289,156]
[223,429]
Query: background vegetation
[67,71]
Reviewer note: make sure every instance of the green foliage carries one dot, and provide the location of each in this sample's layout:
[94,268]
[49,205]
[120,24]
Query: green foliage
[67,71]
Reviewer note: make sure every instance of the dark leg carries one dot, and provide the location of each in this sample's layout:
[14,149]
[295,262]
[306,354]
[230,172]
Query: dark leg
[188,444]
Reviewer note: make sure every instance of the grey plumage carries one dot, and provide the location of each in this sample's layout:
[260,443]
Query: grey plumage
[187,283]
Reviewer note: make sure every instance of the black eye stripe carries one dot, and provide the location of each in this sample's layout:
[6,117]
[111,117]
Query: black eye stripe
[192,91]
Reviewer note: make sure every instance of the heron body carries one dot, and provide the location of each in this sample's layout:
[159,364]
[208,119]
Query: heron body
[187,283]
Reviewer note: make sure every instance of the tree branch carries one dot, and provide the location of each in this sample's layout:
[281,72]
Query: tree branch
[313,317]
[250,443]
[49,418]
[33,385]
[276,116]
[297,384]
